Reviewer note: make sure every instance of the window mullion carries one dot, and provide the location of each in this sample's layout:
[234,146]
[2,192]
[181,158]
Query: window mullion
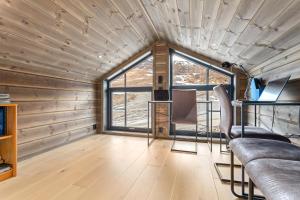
[125,101]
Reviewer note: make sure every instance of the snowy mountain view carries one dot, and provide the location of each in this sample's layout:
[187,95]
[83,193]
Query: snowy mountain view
[184,73]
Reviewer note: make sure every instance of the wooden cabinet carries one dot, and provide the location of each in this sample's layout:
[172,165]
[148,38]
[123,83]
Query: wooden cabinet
[8,142]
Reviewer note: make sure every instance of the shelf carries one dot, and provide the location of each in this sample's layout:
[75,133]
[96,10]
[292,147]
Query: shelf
[5,175]
[5,137]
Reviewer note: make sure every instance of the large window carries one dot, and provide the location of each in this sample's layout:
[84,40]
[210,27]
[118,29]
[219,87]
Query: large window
[128,93]
[190,73]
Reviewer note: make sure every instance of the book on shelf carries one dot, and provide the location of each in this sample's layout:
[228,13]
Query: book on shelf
[4,98]
[4,167]
[2,121]
[5,102]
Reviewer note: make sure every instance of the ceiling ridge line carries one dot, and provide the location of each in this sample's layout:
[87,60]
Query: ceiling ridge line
[149,18]
[140,37]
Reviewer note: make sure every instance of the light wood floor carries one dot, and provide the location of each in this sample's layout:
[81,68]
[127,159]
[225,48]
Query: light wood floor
[115,167]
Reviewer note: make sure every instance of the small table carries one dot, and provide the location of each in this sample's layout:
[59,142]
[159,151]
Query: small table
[209,142]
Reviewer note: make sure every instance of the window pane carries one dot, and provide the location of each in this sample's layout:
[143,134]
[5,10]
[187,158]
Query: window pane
[137,109]
[118,109]
[201,114]
[141,75]
[118,82]
[187,73]
[218,78]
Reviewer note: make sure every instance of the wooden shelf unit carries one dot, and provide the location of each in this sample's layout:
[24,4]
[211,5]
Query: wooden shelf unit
[8,142]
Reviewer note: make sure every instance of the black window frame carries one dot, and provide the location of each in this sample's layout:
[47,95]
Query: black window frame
[199,87]
[125,89]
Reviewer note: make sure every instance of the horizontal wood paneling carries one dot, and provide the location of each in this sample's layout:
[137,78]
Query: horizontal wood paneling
[37,107]
[52,111]
[286,118]
[26,121]
[38,94]
[30,80]
[27,135]
[44,144]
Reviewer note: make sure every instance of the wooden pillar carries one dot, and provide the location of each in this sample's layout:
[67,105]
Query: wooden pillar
[161,71]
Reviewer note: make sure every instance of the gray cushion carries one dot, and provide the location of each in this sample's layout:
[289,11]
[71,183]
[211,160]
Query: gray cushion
[276,179]
[256,132]
[247,149]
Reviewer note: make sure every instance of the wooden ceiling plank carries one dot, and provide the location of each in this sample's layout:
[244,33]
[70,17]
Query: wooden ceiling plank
[287,40]
[139,2]
[291,68]
[268,12]
[185,23]
[117,15]
[210,11]
[84,15]
[278,59]
[282,24]
[35,37]
[226,12]
[169,15]
[66,23]
[109,15]
[131,12]
[245,12]
[173,10]
[154,13]
[13,46]
[101,17]
[14,14]
[25,48]
[277,64]
[287,37]
[196,14]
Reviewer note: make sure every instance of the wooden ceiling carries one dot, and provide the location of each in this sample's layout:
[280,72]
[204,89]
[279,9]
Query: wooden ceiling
[83,39]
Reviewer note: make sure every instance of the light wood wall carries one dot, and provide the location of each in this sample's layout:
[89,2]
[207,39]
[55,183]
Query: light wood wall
[286,119]
[161,68]
[52,111]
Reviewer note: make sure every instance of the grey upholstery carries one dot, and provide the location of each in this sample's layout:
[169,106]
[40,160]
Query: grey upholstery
[184,110]
[248,149]
[226,121]
[256,132]
[276,179]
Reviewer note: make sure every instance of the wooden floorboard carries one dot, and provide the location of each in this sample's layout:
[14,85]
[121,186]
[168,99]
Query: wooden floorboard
[117,167]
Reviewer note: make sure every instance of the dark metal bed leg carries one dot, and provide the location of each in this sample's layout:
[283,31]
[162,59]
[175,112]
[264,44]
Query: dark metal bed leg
[251,190]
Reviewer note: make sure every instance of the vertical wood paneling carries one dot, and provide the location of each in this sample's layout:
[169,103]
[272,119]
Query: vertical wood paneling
[161,68]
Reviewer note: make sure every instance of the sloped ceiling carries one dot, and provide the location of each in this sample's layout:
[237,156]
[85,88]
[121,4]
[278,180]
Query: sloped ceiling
[86,38]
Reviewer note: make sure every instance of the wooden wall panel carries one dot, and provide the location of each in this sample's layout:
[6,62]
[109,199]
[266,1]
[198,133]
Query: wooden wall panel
[286,119]
[52,111]
[161,68]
